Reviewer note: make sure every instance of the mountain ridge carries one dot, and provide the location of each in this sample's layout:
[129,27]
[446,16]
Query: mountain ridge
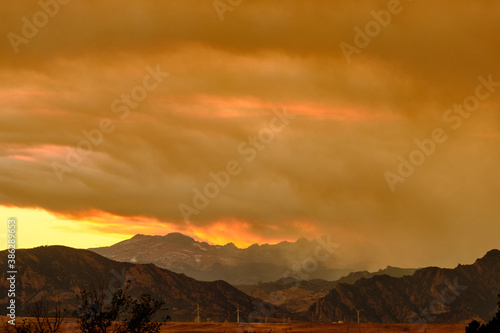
[202,261]
[60,272]
[301,294]
[431,294]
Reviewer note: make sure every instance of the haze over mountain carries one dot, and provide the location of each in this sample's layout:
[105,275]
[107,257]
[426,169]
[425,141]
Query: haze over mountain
[58,272]
[432,295]
[257,263]
[299,295]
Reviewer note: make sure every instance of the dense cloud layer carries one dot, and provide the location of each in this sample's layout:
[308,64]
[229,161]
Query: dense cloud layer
[324,172]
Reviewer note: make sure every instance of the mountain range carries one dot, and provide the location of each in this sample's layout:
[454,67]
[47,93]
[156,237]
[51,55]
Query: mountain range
[391,295]
[56,272]
[205,262]
[430,295]
[299,295]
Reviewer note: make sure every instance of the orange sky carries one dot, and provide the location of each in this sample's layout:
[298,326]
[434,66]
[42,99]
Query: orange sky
[112,119]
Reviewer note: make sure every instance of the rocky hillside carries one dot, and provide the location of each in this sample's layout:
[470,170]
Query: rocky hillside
[431,295]
[61,272]
[299,295]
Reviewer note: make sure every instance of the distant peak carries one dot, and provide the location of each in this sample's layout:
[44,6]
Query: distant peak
[173,234]
[302,240]
[494,252]
[490,255]
[230,245]
[138,236]
[387,268]
[177,236]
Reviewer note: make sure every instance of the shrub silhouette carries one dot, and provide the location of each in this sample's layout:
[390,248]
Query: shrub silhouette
[493,326]
[122,314]
[142,311]
[45,318]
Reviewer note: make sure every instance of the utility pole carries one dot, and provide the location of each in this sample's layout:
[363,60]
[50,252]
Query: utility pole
[238,313]
[197,320]
[359,328]
[358,314]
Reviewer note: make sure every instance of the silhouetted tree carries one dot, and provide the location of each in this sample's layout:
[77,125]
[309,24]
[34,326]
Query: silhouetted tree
[473,327]
[142,311]
[493,326]
[122,314]
[45,318]
[44,321]
[94,316]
